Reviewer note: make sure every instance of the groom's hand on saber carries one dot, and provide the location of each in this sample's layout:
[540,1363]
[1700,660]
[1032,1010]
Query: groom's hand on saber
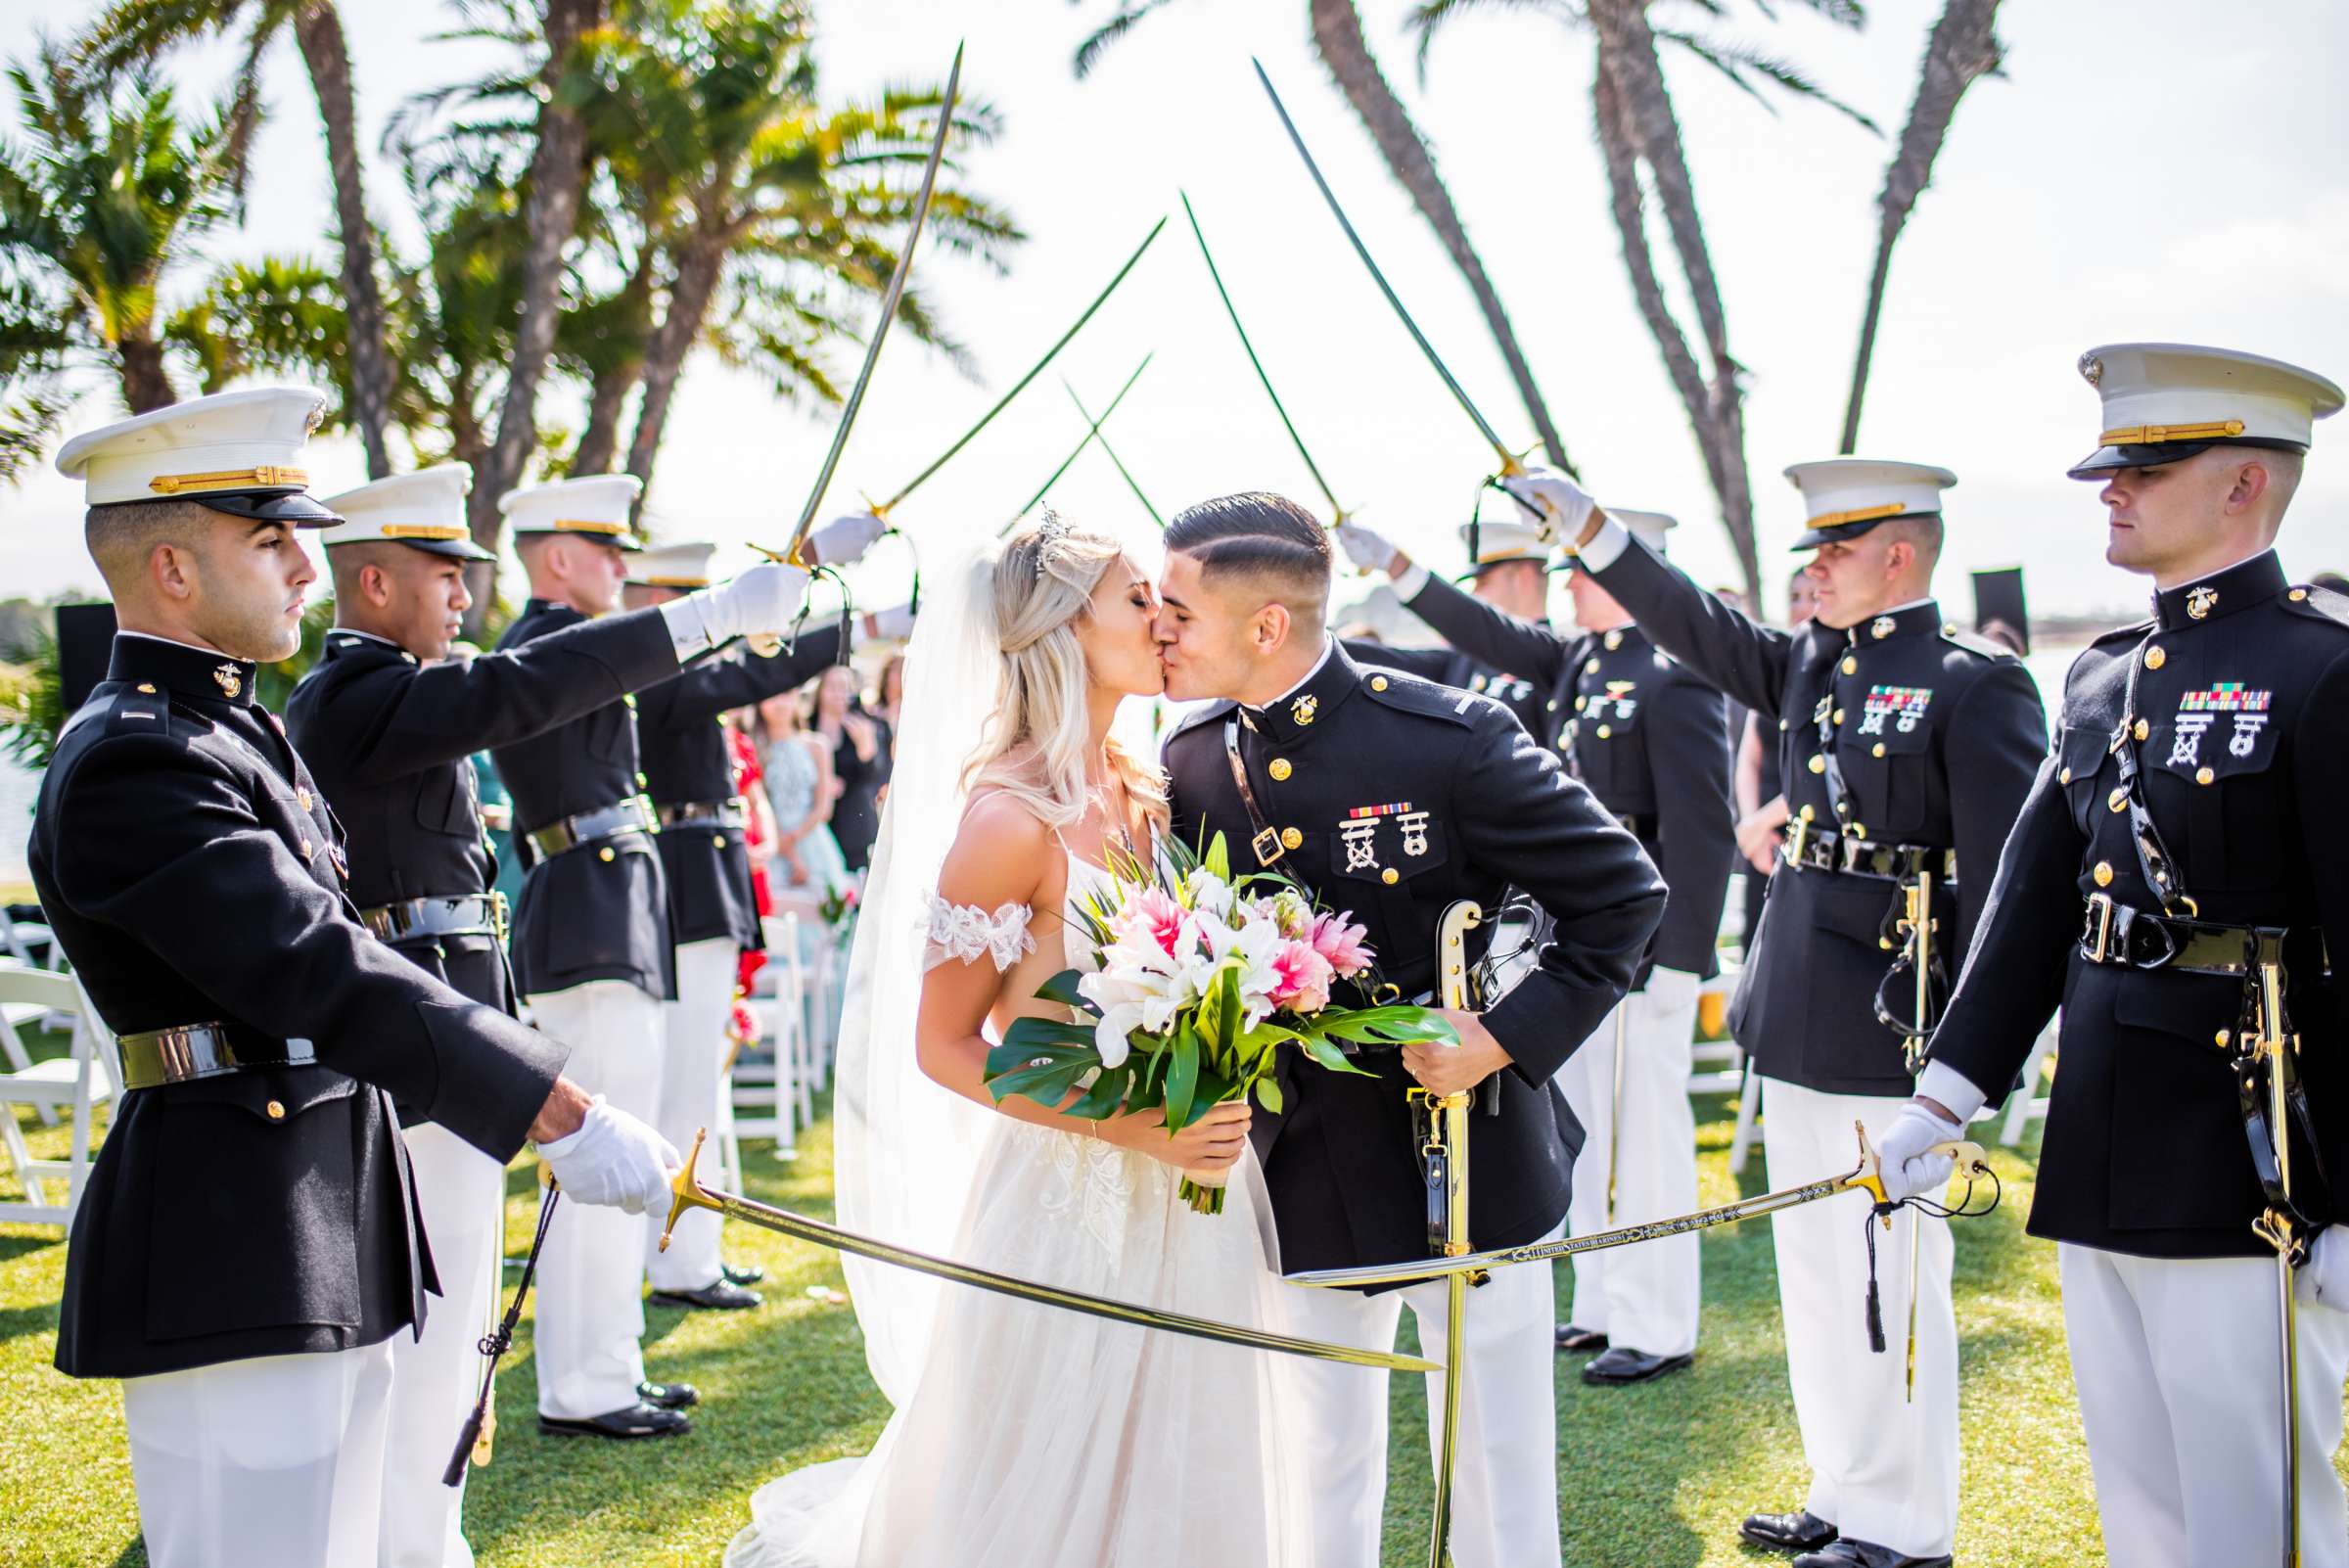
[687,1192]
[1966,1159]
[1443,1068]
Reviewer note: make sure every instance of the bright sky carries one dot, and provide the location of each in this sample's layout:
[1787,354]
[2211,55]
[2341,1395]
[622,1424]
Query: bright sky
[2145,170]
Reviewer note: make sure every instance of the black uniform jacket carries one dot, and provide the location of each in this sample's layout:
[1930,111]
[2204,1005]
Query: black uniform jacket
[587,914]
[685,760]
[1935,734]
[1458,801]
[391,742]
[2246,710]
[192,871]
[1648,737]
[1451,666]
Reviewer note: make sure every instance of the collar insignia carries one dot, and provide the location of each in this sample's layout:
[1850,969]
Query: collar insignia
[1882,628]
[1301,709]
[2199,601]
[231,680]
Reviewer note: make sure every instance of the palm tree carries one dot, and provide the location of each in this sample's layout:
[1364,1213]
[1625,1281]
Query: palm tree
[1338,35]
[1640,142]
[143,31]
[34,344]
[1964,47]
[100,200]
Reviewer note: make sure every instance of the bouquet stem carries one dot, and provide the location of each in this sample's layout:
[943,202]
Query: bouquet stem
[1203,1190]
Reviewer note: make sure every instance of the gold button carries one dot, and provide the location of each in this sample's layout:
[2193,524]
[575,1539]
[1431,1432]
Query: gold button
[2203,776]
[1390,876]
[1843,808]
[1606,732]
[631,700]
[1877,750]
[1837,716]
[1553,705]
[1614,640]
[1379,683]
[2065,777]
[301,798]
[717,841]
[1850,666]
[1859,830]
[1782,725]
[642,781]
[1807,814]
[604,854]
[1290,837]
[276,1110]
[1590,669]
[148,686]
[1884,942]
[2226,1038]
[2296,595]
[2103,873]
[2155,657]
[1818,764]
[1280,768]
[2118,800]
[1579,702]
[305,848]
[2141,730]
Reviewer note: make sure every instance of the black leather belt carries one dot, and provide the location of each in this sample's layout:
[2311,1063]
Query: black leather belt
[1638,826]
[192,1051]
[2128,938]
[634,814]
[1848,856]
[480,914]
[726,814]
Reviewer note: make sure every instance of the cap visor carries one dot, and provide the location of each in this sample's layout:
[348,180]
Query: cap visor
[454,549]
[297,508]
[2112,459]
[1813,538]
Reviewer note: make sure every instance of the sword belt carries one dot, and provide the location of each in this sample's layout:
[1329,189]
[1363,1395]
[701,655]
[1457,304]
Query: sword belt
[1840,855]
[188,1052]
[636,814]
[726,813]
[475,914]
[2121,936]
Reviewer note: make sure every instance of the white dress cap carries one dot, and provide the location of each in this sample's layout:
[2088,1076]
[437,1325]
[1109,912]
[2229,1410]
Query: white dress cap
[2166,401]
[1648,527]
[596,505]
[237,452]
[1843,497]
[1498,543]
[673,566]
[425,509]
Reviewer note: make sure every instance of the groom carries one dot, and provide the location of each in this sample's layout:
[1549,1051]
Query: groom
[1392,797]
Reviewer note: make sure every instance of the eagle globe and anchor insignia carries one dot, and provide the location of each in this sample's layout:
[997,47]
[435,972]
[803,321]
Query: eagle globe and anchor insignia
[230,679]
[2199,603]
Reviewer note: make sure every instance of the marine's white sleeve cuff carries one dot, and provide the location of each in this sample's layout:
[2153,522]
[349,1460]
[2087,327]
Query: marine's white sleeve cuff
[1606,546]
[1413,578]
[1953,1088]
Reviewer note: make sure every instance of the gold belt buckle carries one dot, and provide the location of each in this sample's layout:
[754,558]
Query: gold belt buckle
[1266,845]
[498,914]
[2099,913]
[1796,840]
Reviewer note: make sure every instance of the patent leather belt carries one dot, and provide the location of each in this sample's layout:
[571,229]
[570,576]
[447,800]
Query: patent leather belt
[2128,938]
[726,813]
[192,1051]
[634,814]
[1859,858]
[480,914]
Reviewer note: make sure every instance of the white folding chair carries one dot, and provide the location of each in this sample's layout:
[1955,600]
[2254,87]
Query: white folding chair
[80,1080]
[764,1098]
[1717,1066]
[2028,1104]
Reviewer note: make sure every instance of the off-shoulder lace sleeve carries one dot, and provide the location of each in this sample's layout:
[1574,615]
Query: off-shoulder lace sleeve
[963,932]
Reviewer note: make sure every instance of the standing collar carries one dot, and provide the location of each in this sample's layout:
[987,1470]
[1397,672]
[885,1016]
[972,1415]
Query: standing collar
[1919,617]
[204,674]
[2245,583]
[1310,701]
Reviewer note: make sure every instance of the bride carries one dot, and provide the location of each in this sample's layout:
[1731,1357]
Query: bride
[1026,1436]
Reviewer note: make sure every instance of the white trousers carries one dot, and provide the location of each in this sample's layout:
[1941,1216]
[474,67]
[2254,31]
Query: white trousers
[1506,1485]
[2180,1382]
[693,1098]
[591,1287]
[1883,1467]
[1642,1297]
[436,1379]
[277,1459]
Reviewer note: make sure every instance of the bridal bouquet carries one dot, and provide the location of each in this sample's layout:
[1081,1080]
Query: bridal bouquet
[1202,979]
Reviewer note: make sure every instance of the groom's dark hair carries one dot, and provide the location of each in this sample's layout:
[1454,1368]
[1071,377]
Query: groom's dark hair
[1266,540]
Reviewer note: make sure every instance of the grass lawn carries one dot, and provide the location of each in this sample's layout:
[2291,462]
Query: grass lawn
[1647,1476]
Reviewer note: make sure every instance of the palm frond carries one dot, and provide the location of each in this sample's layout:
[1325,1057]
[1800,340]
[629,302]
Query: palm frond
[1741,63]
[1430,14]
[1098,41]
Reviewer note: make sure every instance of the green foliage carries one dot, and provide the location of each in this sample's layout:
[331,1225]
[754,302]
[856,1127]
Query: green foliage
[33,704]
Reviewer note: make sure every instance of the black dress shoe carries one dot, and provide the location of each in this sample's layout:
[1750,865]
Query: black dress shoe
[669,1396]
[638,1420]
[719,1295]
[1800,1531]
[751,1275]
[1619,1365]
[1574,1338]
[1847,1554]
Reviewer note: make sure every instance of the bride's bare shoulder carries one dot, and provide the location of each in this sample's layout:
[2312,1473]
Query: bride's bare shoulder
[1000,855]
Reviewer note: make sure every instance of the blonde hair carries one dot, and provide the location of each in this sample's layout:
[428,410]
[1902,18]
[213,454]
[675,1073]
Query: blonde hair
[1034,744]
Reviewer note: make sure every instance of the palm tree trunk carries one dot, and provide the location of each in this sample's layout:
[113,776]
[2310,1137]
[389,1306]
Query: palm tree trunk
[699,264]
[609,391]
[1963,48]
[145,383]
[557,177]
[318,32]
[1338,35]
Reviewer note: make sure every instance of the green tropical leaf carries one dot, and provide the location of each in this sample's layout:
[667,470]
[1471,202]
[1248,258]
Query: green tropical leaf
[1183,1078]
[1267,1095]
[1062,989]
[1217,859]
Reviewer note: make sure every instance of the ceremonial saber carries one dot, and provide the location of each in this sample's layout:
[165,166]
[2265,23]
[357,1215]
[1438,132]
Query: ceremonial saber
[1338,514]
[1113,455]
[1623,1031]
[1508,459]
[1972,1162]
[689,1193]
[1445,1140]
[1045,489]
[2280,1226]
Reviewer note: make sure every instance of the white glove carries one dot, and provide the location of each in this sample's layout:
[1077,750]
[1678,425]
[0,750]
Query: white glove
[895,623]
[1366,549]
[1671,989]
[1551,502]
[843,541]
[614,1161]
[764,599]
[2323,1280]
[1904,1166]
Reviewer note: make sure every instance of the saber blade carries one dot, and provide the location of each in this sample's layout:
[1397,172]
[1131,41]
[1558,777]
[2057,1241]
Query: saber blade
[1112,453]
[689,1193]
[889,311]
[1508,459]
[1034,370]
[1045,489]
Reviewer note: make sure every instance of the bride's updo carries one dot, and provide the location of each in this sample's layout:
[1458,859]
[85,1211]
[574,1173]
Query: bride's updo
[1034,747]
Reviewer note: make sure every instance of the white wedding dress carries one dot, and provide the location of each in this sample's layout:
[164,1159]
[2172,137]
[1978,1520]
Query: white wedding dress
[1025,1435]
